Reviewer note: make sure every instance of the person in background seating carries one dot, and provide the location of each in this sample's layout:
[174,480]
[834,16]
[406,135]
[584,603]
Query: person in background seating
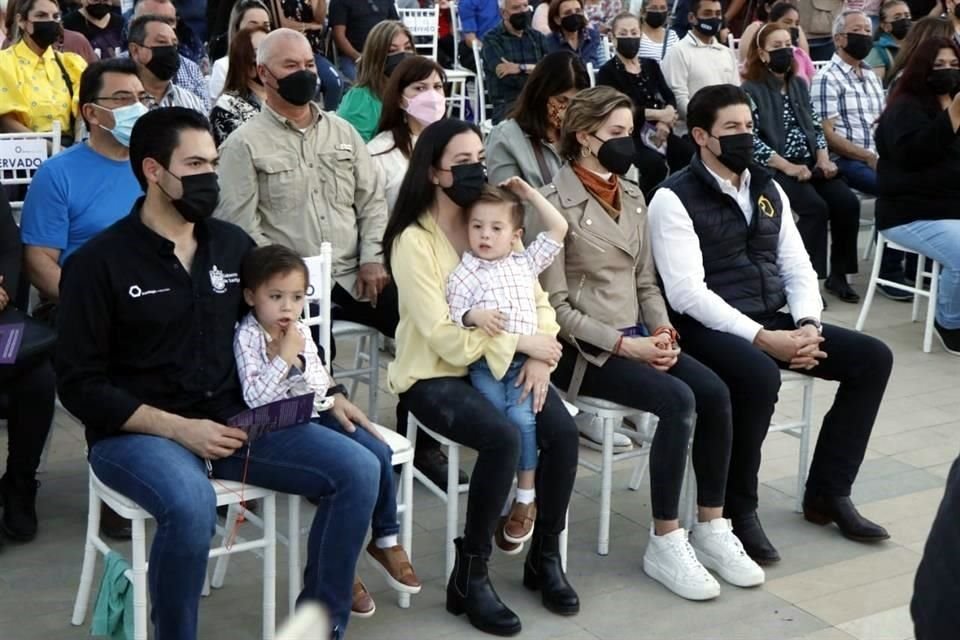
[789,139]
[816,20]
[38,85]
[511,50]
[352,21]
[388,44]
[412,100]
[243,95]
[153,47]
[919,171]
[477,19]
[101,26]
[656,38]
[730,257]
[246,14]
[570,31]
[895,23]
[309,17]
[785,13]
[922,30]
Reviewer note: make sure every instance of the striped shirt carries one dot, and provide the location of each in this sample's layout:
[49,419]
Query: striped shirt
[656,50]
[853,103]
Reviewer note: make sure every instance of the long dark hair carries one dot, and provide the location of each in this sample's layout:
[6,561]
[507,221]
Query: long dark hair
[392,116]
[556,73]
[417,192]
[241,61]
[913,82]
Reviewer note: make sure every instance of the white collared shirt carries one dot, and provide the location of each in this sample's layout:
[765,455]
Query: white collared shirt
[676,251]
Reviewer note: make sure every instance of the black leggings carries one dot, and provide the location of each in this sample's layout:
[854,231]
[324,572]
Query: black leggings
[454,409]
[817,202]
[30,388]
[687,388]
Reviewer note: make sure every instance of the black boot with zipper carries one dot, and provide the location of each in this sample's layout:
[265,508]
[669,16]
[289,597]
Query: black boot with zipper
[469,591]
[544,571]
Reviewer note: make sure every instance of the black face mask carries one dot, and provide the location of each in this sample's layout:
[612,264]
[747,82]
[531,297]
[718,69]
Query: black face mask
[165,62]
[201,194]
[616,154]
[393,61]
[468,183]
[98,11]
[573,22]
[900,28]
[655,19]
[858,45]
[45,33]
[736,151]
[944,82]
[520,21]
[628,47]
[298,88]
[795,36]
[781,60]
[709,26]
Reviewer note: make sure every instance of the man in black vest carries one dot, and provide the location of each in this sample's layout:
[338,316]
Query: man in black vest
[731,258]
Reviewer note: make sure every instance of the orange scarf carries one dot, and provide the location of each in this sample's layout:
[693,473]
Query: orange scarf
[606,191]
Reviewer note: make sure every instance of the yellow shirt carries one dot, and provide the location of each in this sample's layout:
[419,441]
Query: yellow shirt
[32,87]
[429,343]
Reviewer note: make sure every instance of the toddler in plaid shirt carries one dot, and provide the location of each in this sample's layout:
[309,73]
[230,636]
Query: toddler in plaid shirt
[492,289]
[277,358]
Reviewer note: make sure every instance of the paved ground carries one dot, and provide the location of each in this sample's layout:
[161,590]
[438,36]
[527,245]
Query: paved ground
[826,588]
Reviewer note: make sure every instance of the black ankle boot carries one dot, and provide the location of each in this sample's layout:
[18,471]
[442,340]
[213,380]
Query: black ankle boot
[544,571]
[469,591]
[19,506]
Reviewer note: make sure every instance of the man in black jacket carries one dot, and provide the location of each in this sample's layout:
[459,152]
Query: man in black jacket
[730,256]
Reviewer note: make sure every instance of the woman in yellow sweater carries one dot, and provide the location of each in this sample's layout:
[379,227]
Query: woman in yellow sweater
[423,244]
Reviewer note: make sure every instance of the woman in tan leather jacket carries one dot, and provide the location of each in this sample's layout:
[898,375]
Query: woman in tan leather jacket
[620,345]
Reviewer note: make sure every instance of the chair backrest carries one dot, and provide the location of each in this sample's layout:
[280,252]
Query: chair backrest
[735,44]
[21,155]
[820,65]
[481,115]
[318,294]
[609,49]
[424,28]
[592,72]
[455,29]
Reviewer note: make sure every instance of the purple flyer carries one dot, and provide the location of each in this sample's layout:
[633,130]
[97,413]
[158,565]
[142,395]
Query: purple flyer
[274,416]
[10,337]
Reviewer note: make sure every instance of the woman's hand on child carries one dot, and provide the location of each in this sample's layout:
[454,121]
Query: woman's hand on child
[491,321]
[541,347]
[349,416]
[535,378]
[518,187]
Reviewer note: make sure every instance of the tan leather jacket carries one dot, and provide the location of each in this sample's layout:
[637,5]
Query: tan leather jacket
[604,279]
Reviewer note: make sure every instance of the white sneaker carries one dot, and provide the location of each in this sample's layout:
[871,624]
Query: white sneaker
[719,549]
[591,435]
[671,561]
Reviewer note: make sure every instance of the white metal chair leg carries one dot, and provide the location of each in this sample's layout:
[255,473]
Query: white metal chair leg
[270,566]
[406,520]
[223,562]
[606,487]
[931,306]
[563,540]
[803,464]
[293,553]
[139,571]
[918,283]
[89,559]
[872,286]
[453,504]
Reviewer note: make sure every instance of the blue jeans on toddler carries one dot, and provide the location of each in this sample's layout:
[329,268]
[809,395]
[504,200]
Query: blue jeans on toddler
[384,521]
[504,395]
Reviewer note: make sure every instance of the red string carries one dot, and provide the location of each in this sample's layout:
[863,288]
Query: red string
[241,516]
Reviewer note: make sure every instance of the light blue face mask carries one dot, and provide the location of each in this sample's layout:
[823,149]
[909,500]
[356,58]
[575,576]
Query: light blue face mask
[124,118]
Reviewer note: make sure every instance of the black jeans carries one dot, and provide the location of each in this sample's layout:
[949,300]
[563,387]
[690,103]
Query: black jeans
[687,388]
[30,387]
[817,202]
[453,408]
[859,362]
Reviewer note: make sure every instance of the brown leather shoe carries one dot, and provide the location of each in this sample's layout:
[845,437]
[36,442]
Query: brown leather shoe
[395,566]
[112,525]
[363,605]
[507,548]
[519,526]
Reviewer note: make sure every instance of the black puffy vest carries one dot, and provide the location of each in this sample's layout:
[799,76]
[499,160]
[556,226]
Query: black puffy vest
[740,262]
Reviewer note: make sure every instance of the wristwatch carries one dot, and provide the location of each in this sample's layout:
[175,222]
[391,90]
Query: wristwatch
[523,68]
[802,322]
[338,388]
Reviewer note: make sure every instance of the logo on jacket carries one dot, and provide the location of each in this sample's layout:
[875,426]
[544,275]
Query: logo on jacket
[766,207]
[219,280]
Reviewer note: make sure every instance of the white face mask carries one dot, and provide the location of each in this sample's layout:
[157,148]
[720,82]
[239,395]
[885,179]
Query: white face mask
[123,120]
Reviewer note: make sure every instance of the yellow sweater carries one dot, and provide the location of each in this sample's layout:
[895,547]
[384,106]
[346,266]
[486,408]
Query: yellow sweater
[429,343]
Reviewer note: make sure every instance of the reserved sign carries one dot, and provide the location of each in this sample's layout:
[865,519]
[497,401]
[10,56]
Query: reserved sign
[22,154]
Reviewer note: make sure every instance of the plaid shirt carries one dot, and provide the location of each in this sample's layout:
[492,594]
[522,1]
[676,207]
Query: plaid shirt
[266,380]
[506,284]
[190,78]
[498,45]
[854,104]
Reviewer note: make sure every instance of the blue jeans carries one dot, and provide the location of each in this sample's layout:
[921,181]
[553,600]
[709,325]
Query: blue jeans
[171,483]
[348,68]
[385,521]
[330,84]
[940,240]
[505,396]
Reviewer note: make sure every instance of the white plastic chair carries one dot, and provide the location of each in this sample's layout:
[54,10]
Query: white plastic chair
[319,294]
[917,289]
[21,155]
[459,77]
[450,495]
[819,65]
[801,428]
[592,74]
[422,24]
[228,493]
[485,123]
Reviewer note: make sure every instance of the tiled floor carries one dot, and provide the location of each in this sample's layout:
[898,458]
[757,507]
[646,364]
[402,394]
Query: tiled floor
[826,588]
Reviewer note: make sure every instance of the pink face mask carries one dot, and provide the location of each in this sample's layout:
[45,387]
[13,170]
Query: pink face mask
[427,106]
